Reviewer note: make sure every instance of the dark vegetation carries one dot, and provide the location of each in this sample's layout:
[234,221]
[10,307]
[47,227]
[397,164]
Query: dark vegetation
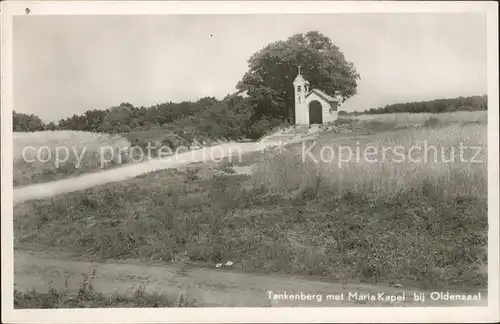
[227,118]
[27,123]
[472,103]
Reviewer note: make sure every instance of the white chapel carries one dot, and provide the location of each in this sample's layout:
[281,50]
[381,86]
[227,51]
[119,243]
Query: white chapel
[312,106]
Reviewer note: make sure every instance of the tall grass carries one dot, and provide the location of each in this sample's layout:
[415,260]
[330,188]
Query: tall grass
[88,297]
[385,174]
[38,164]
[419,119]
[421,220]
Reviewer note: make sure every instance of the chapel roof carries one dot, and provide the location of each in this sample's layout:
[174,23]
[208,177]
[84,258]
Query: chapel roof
[322,95]
[300,78]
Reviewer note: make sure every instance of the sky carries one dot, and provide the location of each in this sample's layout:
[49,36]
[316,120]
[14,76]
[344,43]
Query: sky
[65,65]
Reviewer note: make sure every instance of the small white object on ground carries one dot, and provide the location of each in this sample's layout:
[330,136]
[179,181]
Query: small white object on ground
[218,265]
[229,263]
[244,170]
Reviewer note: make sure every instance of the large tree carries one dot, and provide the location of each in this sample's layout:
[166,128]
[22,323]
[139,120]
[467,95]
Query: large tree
[272,70]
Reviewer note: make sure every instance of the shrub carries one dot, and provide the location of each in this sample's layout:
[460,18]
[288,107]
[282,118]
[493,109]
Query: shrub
[26,123]
[432,122]
[87,297]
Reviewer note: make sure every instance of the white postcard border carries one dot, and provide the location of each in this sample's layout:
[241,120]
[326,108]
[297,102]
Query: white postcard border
[243,314]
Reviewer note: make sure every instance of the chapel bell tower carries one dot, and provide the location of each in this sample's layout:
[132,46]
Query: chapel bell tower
[301,88]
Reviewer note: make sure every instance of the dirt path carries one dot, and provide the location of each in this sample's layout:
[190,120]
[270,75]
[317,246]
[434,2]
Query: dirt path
[210,287]
[49,189]
[210,153]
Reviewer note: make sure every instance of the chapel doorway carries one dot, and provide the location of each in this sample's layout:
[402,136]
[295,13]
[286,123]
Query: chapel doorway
[315,113]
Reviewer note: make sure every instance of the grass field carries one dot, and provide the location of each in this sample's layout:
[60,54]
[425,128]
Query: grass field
[420,119]
[53,155]
[423,224]
[388,173]
[45,157]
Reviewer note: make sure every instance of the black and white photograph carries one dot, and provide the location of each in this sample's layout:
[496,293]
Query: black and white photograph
[220,161]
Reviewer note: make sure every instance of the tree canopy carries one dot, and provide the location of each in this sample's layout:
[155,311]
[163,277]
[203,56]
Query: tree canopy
[272,70]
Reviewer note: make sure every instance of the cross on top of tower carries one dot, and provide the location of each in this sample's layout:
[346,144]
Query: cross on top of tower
[299,78]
